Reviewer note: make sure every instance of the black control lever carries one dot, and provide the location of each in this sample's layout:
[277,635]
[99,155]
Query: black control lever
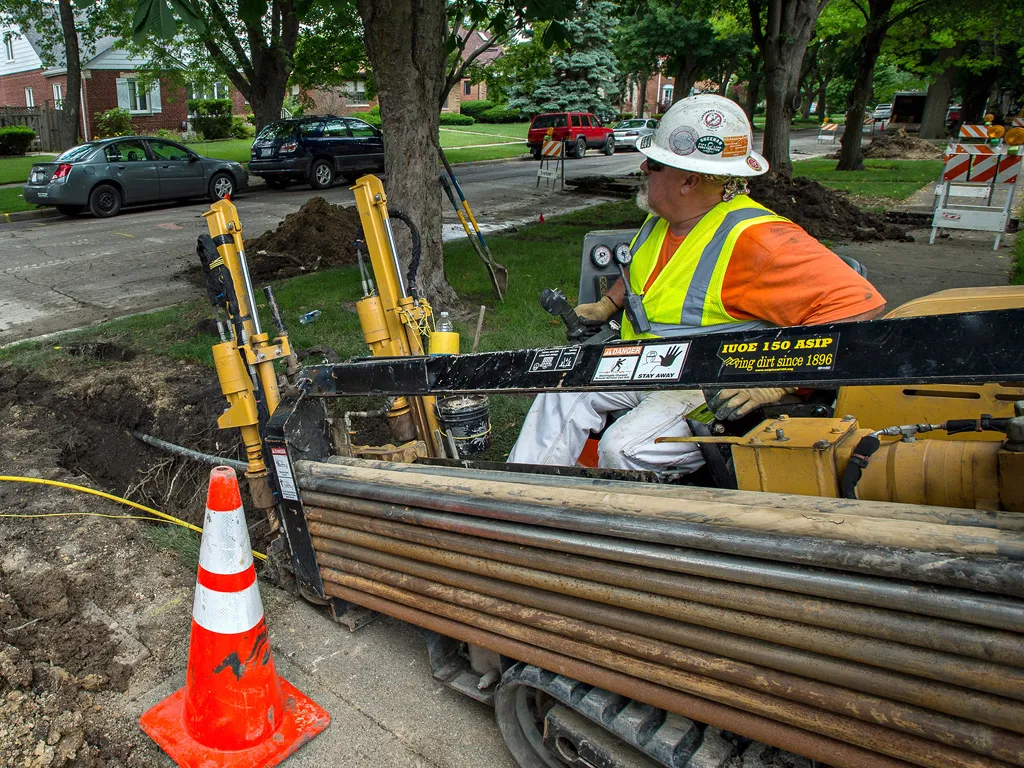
[553,302]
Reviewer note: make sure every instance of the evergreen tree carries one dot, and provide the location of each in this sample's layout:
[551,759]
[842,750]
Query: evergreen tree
[583,75]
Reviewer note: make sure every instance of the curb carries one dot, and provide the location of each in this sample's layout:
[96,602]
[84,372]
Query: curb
[16,216]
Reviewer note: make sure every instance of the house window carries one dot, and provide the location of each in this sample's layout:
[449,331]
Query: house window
[467,87]
[9,48]
[355,92]
[208,91]
[58,96]
[138,99]
[30,100]
[666,94]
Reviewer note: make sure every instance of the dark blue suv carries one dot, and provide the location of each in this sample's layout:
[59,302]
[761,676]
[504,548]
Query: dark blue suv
[316,150]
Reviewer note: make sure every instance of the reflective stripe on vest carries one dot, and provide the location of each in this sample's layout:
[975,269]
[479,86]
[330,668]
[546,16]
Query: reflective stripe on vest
[688,292]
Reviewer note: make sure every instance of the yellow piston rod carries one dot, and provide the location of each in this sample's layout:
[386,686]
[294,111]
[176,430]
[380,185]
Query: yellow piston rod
[395,323]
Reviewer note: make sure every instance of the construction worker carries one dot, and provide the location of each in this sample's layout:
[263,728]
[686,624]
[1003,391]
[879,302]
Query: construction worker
[707,259]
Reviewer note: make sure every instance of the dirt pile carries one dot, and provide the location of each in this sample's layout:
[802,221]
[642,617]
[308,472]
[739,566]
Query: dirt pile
[317,236]
[826,214]
[903,146]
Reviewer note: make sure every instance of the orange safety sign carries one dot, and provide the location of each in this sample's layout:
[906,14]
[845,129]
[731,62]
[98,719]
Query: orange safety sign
[552,148]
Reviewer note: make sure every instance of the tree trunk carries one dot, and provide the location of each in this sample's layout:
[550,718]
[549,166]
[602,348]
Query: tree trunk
[753,89]
[821,111]
[933,121]
[410,75]
[685,77]
[868,49]
[723,85]
[267,98]
[69,127]
[976,92]
[641,101]
[808,101]
[783,42]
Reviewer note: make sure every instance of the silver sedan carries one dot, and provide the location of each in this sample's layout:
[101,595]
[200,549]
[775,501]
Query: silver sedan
[629,132]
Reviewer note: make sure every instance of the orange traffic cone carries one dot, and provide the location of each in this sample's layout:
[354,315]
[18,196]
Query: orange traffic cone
[234,710]
[541,220]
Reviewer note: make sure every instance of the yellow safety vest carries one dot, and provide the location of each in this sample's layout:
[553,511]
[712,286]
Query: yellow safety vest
[688,292]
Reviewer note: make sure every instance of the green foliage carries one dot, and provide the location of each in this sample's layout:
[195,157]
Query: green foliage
[474,108]
[242,128]
[1017,270]
[330,50]
[163,133]
[212,117]
[523,65]
[114,122]
[371,117]
[582,76]
[454,118]
[624,116]
[500,115]
[16,139]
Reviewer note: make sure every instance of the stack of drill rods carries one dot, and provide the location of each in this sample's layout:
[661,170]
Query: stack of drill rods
[983,518]
[722,680]
[854,661]
[718,531]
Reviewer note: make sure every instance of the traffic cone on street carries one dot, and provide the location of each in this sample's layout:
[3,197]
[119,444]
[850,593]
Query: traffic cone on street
[234,710]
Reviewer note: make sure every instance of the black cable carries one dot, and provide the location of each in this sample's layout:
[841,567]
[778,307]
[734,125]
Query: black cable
[414,263]
[984,423]
[855,468]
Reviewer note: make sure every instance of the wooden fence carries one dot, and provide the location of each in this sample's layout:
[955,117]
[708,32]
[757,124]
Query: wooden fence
[45,121]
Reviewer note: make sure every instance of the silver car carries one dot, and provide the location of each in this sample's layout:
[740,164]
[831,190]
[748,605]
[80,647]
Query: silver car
[105,175]
[629,132]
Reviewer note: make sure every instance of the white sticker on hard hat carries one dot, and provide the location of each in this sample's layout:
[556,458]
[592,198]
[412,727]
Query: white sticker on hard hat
[645,141]
[683,140]
[712,119]
[735,146]
[753,164]
[710,145]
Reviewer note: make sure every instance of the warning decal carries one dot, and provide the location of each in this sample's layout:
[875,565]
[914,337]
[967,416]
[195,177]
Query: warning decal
[285,480]
[661,362]
[617,364]
[780,355]
[557,359]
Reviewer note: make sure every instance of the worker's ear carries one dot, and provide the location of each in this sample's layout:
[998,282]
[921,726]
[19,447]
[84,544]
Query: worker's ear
[689,183]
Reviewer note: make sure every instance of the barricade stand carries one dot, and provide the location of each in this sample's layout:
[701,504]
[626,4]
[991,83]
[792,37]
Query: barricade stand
[1018,122]
[827,132]
[975,172]
[552,163]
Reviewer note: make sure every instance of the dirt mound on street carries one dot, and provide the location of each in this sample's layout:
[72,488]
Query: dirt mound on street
[903,146]
[826,214]
[317,236]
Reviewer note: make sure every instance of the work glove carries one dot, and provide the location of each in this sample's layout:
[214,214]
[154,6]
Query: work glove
[598,312]
[732,404]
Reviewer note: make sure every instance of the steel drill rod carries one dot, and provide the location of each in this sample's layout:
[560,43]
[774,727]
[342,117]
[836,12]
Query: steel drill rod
[985,574]
[884,740]
[857,679]
[950,637]
[980,518]
[959,605]
[956,670]
[632,510]
[813,745]
[998,744]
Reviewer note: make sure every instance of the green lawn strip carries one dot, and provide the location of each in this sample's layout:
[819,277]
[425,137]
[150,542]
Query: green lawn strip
[514,130]
[485,153]
[16,169]
[894,179]
[229,149]
[463,139]
[11,201]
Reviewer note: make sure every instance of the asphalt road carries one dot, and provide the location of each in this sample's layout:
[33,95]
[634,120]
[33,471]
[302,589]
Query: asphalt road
[58,273]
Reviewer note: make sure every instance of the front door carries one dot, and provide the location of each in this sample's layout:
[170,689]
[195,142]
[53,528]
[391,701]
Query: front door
[130,165]
[180,175]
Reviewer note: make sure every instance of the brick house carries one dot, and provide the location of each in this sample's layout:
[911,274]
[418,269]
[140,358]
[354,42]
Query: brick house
[109,79]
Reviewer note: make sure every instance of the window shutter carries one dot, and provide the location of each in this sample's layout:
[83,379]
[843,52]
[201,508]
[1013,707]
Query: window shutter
[122,93]
[154,99]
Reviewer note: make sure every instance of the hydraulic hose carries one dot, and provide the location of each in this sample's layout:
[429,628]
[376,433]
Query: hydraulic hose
[414,263]
[188,453]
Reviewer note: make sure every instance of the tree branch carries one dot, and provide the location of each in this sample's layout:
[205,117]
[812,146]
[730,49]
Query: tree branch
[754,7]
[863,11]
[909,11]
[224,23]
[459,72]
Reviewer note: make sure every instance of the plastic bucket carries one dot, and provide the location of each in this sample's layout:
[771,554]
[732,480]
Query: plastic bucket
[466,421]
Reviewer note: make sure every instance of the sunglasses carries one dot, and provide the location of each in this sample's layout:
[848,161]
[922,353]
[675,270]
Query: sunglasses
[654,166]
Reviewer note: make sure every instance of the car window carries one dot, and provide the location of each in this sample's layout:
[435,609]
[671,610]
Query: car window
[360,129]
[575,121]
[631,124]
[334,129]
[548,121]
[279,130]
[652,123]
[311,129]
[76,153]
[166,151]
[131,151]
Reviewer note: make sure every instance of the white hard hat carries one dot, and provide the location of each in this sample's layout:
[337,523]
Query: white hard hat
[705,134]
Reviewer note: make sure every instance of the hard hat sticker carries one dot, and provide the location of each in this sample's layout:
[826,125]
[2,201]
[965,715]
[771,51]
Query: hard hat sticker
[683,140]
[710,145]
[712,119]
[734,146]
[753,164]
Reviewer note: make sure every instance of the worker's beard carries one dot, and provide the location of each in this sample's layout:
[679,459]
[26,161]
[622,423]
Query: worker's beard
[642,201]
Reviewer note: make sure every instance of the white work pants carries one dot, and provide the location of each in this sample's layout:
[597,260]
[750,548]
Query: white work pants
[558,425]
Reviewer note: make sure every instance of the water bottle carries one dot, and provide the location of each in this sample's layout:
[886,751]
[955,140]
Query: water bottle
[309,317]
[444,323]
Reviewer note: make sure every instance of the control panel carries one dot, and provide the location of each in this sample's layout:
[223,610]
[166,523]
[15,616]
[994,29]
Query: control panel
[598,269]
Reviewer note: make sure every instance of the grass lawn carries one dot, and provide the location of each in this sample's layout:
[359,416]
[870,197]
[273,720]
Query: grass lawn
[11,201]
[891,179]
[229,149]
[513,130]
[485,153]
[15,169]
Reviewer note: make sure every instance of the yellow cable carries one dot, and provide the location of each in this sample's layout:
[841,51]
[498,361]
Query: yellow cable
[58,484]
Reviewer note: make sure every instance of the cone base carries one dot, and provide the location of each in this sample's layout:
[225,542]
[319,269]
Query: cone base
[303,719]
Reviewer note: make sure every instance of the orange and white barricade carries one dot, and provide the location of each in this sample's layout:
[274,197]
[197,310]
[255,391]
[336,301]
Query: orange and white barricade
[974,177]
[828,132]
[234,711]
[973,132]
[552,162]
[1017,122]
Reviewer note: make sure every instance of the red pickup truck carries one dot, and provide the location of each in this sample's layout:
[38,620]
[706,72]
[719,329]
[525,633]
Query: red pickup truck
[580,131]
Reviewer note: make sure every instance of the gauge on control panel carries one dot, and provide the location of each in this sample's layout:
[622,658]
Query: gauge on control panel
[601,255]
[622,254]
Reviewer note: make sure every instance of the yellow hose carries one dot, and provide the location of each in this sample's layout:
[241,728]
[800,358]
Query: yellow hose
[58,484]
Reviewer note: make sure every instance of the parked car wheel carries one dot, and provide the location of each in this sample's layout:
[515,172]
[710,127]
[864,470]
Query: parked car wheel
[580,148]
[70,210]
[221,185]
[321,175]
[105,201]
[609,146]
[536,153]
[278,183]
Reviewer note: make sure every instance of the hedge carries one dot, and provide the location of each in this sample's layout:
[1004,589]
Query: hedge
[474,108]
[16,139]
[212,117]
[372,117]
[500,115]
[454,118]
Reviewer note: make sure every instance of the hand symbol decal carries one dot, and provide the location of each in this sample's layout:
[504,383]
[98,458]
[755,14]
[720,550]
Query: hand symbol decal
[669,357]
